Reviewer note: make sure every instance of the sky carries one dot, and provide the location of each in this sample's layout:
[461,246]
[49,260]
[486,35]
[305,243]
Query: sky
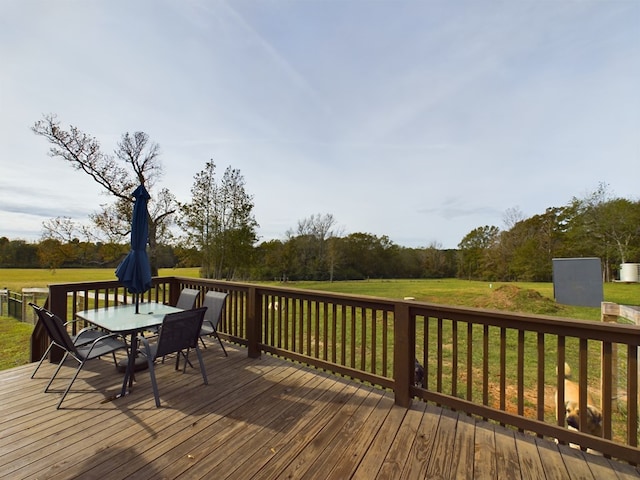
[419,120]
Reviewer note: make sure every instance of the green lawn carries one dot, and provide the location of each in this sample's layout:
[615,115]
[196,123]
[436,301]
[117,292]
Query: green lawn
[527,297]
[15,339]
[481,294]
[16,279]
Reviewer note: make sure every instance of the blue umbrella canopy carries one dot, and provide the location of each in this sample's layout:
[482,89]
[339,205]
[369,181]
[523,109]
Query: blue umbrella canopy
[134,272]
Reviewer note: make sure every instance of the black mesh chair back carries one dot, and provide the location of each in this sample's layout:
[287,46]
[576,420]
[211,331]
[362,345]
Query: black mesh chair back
[186,301]
[188,298]
[179,332]
[56,330]
[214,301]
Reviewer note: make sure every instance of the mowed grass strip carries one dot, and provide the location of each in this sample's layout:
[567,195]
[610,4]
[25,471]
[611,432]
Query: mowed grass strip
[15,338]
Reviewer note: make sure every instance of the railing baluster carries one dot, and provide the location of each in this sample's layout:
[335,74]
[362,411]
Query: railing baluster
[540,377]
[520,380]
[439,356]
[503,367]
[469,361]
[632,395]
[485,365]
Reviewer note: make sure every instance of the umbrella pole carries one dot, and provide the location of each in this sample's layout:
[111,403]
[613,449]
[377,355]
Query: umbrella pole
[137,302]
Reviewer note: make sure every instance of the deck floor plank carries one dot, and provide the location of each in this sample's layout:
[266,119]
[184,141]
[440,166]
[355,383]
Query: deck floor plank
[263,418]
[571,463]
[487,461]
[531,464]
[374,457]
[228,433]
[398,453]
[317,439]
[463,453]
[143,421]
[418,461]
[442,456]
[233,461]
[286,450]
[284,430]
[190,423]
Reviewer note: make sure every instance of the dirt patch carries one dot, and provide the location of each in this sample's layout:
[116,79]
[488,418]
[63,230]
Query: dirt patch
[515,299]
[530,400]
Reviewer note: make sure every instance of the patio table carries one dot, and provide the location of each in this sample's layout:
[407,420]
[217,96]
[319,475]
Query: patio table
[124,320]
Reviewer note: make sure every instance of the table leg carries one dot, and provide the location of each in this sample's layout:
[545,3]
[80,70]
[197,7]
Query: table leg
[130,371]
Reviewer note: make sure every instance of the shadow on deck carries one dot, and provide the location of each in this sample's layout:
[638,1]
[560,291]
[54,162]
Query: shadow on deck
[258,418]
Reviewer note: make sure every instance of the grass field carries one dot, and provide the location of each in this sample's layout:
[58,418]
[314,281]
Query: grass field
[16,279]
[527,297]
[522,297]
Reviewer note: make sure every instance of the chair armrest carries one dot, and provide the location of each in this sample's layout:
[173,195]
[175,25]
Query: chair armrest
[145,343]
[102,338]
[74,321]
[85,336]
[85,329]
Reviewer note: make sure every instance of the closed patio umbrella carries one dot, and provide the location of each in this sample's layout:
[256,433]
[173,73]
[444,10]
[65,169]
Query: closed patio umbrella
[134,272]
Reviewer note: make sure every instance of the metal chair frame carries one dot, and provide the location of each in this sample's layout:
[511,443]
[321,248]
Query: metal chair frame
[179,331]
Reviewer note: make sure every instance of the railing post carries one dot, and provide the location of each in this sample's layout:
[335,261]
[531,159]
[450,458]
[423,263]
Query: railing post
[254,324]
[174,290]
[403,353]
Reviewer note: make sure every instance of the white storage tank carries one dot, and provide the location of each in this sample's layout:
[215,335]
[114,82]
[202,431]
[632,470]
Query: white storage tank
[630,272]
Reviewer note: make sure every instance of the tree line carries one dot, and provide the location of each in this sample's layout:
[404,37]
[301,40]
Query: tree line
[217,231]
[595,226]
[599,225]
[523,252]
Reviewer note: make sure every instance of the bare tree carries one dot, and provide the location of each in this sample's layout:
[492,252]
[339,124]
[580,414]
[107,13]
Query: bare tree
[134,162]
[316,252]
[511,216]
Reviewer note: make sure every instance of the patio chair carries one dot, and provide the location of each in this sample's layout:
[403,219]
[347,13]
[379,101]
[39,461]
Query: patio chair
[214,301]
[188,298]
[104,345]
[186,301]
[83,337]
[180,331]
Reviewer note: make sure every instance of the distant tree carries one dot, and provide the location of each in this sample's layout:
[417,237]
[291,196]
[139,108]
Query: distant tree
[512,216]
[219,222]
[135,162]
[534,242]
[607,227]
[315,254]
[368,256]
[270,261]
[434,262]
[474,250]
[53,254]
[18,254]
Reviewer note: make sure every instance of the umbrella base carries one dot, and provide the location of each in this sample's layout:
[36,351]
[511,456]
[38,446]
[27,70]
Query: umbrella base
[140,363]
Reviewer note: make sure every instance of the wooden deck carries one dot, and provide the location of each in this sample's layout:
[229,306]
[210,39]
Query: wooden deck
[257,418]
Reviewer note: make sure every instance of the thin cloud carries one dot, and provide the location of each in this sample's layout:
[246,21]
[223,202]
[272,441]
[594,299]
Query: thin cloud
[416,120]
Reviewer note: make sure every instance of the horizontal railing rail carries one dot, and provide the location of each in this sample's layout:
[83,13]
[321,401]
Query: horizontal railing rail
[505,367]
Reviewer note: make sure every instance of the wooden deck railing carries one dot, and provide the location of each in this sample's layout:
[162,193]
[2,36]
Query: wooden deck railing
[496,365]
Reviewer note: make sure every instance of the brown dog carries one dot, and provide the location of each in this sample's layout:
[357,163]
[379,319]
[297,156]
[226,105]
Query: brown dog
[572,410]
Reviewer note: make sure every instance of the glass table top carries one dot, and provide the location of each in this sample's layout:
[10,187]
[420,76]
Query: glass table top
[123,318]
